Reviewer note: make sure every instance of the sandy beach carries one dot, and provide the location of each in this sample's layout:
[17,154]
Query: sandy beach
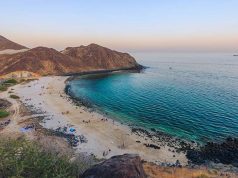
[105,137]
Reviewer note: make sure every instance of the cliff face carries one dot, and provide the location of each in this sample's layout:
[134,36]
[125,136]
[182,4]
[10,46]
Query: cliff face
[7,44]
[47,61]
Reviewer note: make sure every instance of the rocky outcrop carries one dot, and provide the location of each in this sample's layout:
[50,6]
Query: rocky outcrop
[226,153]
[7,44]
[123,166]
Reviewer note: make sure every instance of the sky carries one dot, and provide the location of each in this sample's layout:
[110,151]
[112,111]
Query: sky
[127,25]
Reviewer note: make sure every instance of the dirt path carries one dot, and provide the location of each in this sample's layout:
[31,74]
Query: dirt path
[14,109]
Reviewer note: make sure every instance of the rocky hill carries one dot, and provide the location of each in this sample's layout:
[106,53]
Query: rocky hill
[7,44]
[95,57]
[40,60]
[48,61]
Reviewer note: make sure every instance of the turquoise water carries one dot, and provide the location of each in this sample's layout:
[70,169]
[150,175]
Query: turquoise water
[192,96]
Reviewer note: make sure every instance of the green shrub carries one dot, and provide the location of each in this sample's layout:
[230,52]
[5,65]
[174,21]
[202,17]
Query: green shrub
[10,81]
[21,158]
[3,113]
[14,97]
[3,87]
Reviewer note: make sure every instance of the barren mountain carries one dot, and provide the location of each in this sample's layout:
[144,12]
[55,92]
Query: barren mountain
[40,60]
[95,57]
[48,61]
[7,44]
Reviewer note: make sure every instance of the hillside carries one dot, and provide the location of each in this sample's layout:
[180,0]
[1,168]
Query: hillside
[7,44]
[95,57]
[40,60]
[48,61]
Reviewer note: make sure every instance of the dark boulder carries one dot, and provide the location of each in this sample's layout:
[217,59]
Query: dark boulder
[123,166]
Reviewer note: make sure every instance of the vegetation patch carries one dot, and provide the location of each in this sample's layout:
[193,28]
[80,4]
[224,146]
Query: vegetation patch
[10,81]
[14,97]
[21,158]
[3,87]
[3,114]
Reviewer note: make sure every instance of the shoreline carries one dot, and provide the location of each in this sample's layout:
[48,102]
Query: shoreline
[138,130]
[103,134]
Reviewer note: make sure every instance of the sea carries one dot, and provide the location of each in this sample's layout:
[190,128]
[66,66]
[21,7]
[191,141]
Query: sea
[193,96]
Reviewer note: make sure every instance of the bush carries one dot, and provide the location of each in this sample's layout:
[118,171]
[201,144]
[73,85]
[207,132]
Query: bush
[10,81]
[3,113]
[3,88]
[14,97]
[20,158]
